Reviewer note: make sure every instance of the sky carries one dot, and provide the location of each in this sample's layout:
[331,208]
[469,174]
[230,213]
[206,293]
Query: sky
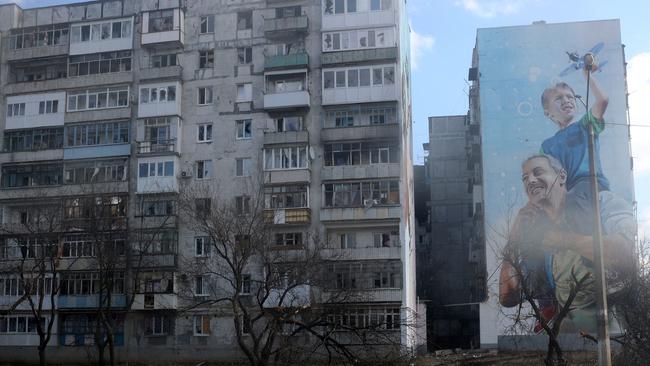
[443,35]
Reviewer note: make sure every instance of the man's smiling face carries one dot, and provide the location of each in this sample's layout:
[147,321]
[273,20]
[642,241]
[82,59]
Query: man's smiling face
[540,180]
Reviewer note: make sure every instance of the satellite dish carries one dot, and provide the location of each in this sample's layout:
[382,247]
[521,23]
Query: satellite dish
[312,153]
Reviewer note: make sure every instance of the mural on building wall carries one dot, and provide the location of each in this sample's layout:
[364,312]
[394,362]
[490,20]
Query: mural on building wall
[538,202]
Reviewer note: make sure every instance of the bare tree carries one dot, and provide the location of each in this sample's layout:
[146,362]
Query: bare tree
[32,249]
[282,302]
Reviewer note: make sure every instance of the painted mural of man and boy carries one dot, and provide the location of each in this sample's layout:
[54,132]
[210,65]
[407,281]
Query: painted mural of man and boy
[552,233]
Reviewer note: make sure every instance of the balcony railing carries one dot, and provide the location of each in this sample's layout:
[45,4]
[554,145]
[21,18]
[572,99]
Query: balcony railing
[286,26]
[286,61]
[156,146]
[282,216]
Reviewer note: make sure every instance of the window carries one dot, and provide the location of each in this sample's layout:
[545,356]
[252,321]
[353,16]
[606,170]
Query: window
[339,6]
[358,39]
[385,192]
[207,24]
[31,175]
[361,153]
[288,239]
[206,59]
[20,324]
[157,208]
[203,169]
[99,133]
[373,317]
[156,169]
[100,31]
[244,130]
[79,245]
[244,92]
[244,20]
[201,325]
[165,60]
[291,196]
[94,206]
[34,139]
[243,167]
[161,20]
[203,206]
[290,157]
[159,94]
[202,246]
[99,63]
[200,286]
[376,5]
[243,205]
[205,95]
[42,36]
[48,107]
[88,283]
[111,97]
[245,284]
[386,239]
[244,55]
[204,132]
[384,75]
[157,324]
[285,124]
[348,240]
[96,171]
[288,11]
[15,109]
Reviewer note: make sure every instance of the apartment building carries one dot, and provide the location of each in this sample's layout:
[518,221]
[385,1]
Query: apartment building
[112,108]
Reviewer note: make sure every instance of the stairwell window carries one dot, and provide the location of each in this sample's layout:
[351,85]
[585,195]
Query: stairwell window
[207,24]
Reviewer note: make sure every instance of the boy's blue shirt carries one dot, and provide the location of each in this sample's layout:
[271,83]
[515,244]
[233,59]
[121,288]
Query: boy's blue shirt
[570,147]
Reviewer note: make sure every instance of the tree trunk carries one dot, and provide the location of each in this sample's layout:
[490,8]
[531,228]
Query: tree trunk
[100,355]
[41,355]
[111,348]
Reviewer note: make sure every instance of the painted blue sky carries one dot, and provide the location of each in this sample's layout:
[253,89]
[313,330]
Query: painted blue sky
[443,36]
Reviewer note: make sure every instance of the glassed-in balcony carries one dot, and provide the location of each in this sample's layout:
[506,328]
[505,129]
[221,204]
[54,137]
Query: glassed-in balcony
[286,90]
[281,216]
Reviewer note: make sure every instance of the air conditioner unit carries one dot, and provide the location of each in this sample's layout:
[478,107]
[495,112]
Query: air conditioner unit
[186,174]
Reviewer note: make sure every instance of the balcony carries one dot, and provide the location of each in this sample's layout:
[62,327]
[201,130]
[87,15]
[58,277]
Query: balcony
[296,60]
[386,213]
[371,55]
[286,27]
[287,176]
[289,216]
[155,302]
[368,94]
[166,29]
[288,137]
[88,301]
[359,20]
[375,131]
[169,72]
[298,296]
[370,253]
[157,147]
[287,100]
[98,151]
[360,171]
[19,54]
[156,260]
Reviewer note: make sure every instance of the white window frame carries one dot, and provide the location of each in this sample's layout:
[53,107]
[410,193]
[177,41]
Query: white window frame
[48,106]
[200,331]
[206,24]
[347,240]
[286,154]
[281,123]
[243,204]
[203,169]
[246,284]
[203,288]
[163,324]
[247,53]
[244,92]
[335,73]
[208,97]
[240,126]
[151,95]
[204,129]
[202,246]
[76,31]
[86,94]
[208,55]
[15,109]
[243,167]
[156,169]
